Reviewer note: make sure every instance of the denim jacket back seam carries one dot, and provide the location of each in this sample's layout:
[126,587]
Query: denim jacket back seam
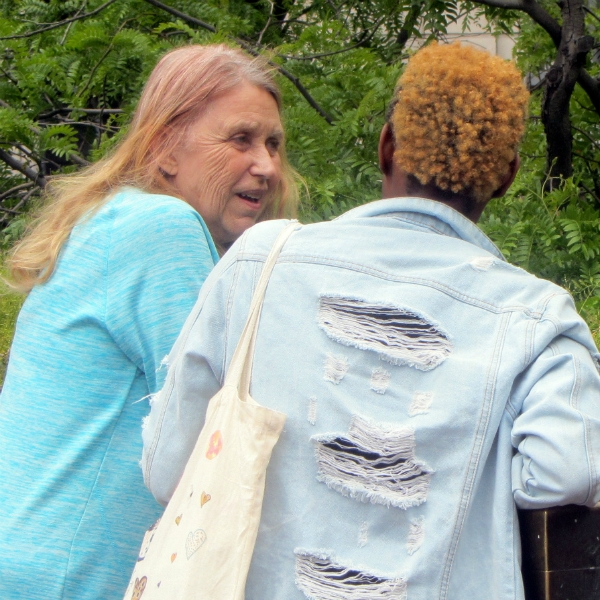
[336,263]
[475,453]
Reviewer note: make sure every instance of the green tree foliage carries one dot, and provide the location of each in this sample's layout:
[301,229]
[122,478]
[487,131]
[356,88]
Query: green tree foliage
[71,72]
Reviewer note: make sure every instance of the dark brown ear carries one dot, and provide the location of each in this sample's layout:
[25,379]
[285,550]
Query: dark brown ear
[387,147]
[513,169]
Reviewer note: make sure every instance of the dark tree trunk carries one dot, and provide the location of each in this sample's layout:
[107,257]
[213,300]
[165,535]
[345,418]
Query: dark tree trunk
[560,83]
[572,47]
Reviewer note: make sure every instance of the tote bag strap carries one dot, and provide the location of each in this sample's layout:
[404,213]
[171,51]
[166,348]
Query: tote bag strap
[240,368]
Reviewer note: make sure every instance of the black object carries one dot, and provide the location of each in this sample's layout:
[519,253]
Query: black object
[561,553]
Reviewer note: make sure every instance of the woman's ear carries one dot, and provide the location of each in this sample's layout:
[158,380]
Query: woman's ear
[387,148]
[169,165]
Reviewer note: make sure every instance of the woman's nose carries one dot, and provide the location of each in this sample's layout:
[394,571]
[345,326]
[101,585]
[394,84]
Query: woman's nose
[265,164]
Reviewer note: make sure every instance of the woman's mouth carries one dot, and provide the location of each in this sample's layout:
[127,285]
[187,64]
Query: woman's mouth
[251,199]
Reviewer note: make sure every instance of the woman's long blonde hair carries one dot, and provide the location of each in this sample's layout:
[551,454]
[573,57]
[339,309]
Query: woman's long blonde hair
[180,86]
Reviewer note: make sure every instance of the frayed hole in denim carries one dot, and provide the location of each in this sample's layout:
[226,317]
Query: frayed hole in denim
[380,380]
[312,410]
[363,534]
[320,577]
[336,367]
[373,463]
[482,263]
[421,403]
[400,336]
[416,535]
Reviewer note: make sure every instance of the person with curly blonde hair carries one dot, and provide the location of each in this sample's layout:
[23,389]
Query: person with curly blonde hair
[455,123]
[429,386]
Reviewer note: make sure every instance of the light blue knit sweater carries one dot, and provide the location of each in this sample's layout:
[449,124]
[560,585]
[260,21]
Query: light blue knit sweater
[88,346]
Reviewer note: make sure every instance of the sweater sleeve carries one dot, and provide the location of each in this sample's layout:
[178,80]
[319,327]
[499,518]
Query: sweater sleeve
[160,254]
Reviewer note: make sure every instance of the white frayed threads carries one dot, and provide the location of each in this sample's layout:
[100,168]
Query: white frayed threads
[145,422]
[149,397]
[420,404]
[336,367]
[380,380]
[482,263]
[416,535]
[312,410]
[319,575]
[398,335]
[373,463]
[163,363]
[363,535]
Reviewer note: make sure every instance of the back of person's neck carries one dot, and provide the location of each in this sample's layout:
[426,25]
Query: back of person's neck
[468,207]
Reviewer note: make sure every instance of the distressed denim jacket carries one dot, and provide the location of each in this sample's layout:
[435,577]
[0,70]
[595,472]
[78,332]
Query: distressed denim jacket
[429,387]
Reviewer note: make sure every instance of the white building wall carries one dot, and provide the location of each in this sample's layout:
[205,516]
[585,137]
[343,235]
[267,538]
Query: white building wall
[500,44]
[497,44]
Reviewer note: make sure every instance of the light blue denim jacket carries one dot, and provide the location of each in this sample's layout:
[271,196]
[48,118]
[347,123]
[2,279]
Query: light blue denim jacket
[429,387]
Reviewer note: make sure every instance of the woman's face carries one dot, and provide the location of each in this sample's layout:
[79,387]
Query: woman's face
[228,164]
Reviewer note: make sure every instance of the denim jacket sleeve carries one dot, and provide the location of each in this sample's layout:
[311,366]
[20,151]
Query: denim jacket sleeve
[557,430]
[198,362]
[197,366]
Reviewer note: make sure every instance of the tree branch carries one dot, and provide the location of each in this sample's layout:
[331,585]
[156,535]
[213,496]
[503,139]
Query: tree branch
[260,37]
[304,92]
[78,160]
[554,30]
[588,136]
[410,20]
[591,12]
[17,188]
[365,38]
[587,189]
[85,111]
[534,10]
[17,165]
[510,4]
[324,54]
[250,49]
[15,210]
[591,87]
[182,16]
[59,23]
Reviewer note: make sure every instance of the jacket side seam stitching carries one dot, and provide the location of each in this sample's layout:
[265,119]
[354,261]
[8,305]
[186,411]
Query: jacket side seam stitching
[475,456]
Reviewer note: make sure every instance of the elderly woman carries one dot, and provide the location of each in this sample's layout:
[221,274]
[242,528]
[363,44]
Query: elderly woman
[113,266]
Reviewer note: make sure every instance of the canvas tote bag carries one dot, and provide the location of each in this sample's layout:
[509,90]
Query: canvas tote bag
[202,545]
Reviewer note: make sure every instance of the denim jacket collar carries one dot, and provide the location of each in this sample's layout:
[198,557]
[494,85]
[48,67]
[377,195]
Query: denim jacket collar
[428,214]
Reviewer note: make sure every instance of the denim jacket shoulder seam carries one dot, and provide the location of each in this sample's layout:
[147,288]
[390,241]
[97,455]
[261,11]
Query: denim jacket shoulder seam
[338,263]
[544,316]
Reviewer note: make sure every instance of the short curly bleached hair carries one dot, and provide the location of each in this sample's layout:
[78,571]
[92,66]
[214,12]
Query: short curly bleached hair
[458,116]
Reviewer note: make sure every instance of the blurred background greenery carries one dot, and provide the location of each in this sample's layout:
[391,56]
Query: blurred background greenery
[71,72]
